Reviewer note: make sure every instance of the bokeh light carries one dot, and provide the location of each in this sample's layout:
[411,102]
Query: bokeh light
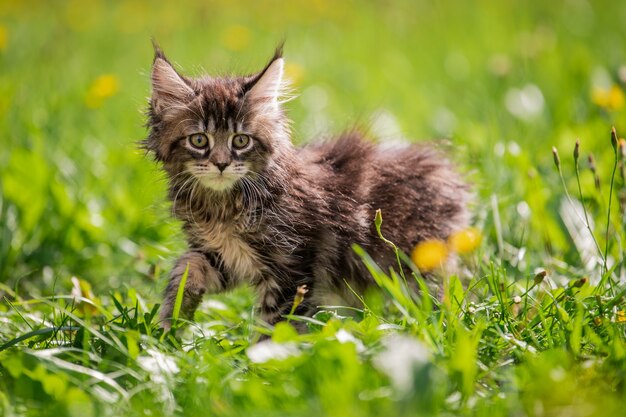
[465,241]
[433,254]
[611,98]
[429,255]
[4,37]
[103,87]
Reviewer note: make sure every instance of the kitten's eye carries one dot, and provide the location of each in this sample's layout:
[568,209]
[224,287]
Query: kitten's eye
[240,141]
[198,140]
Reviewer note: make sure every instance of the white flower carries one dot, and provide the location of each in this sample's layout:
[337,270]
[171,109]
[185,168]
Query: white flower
[159,366]
[343,336]
[402,355]
[268,350]
[524,103]
[161,369]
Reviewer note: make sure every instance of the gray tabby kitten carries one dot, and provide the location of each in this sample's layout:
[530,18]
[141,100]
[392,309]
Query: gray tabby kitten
[259,211]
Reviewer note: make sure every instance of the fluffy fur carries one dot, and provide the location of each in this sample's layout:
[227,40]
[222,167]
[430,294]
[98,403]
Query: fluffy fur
[275,216]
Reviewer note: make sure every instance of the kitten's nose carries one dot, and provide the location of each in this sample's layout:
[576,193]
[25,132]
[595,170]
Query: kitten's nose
[221,165]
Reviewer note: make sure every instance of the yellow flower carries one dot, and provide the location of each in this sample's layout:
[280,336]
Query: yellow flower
[609,98]
[429,254]
[236,37]
[102,88]
[465,241]
[621,316]
[294,72]
[4,38]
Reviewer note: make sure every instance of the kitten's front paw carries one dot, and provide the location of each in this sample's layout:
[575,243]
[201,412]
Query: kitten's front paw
[192,296]
[199,273]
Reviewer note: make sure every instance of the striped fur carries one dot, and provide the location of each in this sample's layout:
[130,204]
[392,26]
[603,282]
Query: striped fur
[284,216]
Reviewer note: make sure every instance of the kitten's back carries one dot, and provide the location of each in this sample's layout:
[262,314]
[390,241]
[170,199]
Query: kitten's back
[419,191]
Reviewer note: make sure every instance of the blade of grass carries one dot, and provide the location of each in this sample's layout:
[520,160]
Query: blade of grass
[37,332]
[179,295]
[608,216]
[18,313]
[557,163]
[582,201]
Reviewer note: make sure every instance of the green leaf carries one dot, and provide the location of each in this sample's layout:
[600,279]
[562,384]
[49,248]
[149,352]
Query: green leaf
[79,404]
[284,332]
[54,385]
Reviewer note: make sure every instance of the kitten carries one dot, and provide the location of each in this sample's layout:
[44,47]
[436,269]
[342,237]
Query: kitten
[259,211]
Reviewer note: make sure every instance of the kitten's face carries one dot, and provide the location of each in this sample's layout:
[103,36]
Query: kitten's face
[219,159]
[216,130]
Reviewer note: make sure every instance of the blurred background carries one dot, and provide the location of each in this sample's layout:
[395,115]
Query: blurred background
[502,81]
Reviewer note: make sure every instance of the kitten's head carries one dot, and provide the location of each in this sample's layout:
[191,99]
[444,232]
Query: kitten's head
[217,130]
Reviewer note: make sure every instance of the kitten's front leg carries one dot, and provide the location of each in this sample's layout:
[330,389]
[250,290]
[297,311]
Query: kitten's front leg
[201,278]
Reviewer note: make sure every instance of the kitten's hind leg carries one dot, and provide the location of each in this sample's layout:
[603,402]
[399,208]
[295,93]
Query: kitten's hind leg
[201,278]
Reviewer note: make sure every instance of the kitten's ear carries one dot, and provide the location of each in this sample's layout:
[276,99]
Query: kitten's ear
[168,87]
[268,86]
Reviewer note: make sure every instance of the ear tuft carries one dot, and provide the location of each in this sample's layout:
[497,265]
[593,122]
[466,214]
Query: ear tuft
[269,85]
[278,53]
[158,52]
[168,87]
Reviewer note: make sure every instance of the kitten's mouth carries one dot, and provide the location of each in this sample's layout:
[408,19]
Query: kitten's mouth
[218,182]
[211,178]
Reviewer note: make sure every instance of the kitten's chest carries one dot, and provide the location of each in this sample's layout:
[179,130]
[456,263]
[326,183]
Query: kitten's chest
[239,257]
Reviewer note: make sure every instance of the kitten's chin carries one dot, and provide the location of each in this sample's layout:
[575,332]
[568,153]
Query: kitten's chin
[219,183]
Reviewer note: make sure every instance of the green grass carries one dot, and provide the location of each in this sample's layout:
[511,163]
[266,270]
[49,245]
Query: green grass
[86,241]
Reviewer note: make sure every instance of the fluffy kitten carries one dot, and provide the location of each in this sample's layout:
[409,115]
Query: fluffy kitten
[259,211]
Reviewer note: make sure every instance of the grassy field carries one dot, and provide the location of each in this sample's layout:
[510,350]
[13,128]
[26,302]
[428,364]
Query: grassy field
[86,241]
